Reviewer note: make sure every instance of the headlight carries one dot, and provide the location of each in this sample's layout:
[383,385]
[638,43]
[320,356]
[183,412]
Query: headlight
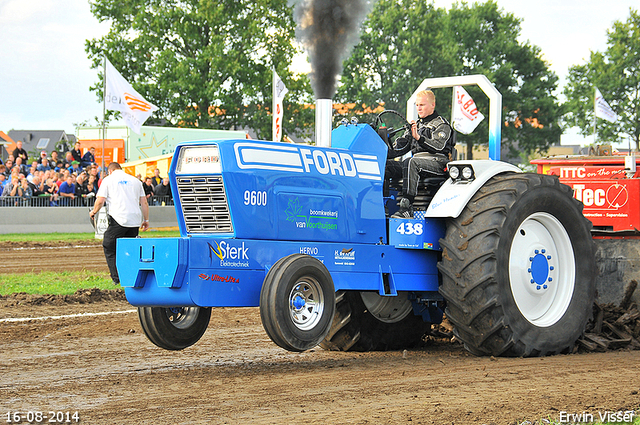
[461,173]
[199,160]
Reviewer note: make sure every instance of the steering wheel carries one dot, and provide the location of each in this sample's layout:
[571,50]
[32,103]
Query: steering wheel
[395,123]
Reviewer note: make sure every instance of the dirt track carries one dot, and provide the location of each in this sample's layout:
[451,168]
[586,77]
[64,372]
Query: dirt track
[106,369]
[55,257]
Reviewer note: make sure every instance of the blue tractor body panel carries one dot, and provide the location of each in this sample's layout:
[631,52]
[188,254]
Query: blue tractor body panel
[242,205]
[280,191]
[218,272]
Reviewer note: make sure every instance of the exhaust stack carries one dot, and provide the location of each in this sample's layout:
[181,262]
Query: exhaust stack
[324,120]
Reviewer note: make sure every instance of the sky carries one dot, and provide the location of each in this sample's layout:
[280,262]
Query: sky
[45,74]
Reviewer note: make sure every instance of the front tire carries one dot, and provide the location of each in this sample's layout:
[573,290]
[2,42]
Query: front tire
[518,268]
[297,302]
[174,328]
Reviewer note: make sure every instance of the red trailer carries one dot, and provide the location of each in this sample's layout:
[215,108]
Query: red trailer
[609,188]
[609,191]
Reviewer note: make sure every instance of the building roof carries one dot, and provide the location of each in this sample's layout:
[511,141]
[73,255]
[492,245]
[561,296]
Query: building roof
[35,141]
[5,139]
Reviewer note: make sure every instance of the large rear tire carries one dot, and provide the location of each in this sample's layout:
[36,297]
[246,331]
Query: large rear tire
[518,268]
[297,302]
[174,328]
[386,324]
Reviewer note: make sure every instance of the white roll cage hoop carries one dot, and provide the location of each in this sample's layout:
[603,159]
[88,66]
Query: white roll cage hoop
[495,104]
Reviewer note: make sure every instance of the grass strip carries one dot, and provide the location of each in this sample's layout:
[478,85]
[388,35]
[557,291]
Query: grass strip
[61,283]
[54,283]
[52,237]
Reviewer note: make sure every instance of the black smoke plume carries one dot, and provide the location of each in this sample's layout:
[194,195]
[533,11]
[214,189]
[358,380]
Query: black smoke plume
[328,29]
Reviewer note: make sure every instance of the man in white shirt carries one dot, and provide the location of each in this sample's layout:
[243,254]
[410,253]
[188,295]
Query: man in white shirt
[128,211]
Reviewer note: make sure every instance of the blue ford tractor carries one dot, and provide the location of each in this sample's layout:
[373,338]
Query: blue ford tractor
[304,233]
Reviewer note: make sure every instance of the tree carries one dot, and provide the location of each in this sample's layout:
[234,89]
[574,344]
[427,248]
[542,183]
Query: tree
[204,64]
[616,73]
[405,41]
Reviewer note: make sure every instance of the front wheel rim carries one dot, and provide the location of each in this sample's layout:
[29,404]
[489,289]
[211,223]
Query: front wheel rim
[542,269]
[182,317]
[306,303]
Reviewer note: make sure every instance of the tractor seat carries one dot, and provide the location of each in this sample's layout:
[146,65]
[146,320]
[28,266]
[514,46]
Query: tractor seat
[427,188]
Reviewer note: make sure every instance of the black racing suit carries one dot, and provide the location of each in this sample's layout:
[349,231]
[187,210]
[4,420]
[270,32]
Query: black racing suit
[430,153]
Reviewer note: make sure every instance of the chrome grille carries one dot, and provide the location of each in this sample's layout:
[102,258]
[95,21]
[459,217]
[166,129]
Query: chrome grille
[204,204]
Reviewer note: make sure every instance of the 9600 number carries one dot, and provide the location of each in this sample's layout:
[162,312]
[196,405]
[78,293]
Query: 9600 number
[255,197]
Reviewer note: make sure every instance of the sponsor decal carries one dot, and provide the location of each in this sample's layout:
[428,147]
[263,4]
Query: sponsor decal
[309,250]
[229,254]
[435,205]
[316,219]
[217,278]
[312,251]
[597,195]
[306,160]
[345,257]
[585,172]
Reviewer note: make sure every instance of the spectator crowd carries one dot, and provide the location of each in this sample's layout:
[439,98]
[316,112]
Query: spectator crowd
[72,181]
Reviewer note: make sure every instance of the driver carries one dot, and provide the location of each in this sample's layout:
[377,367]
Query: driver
[430,141]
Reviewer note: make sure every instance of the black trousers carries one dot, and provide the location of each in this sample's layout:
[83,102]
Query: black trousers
[113,232]
[410,169]
[414,166]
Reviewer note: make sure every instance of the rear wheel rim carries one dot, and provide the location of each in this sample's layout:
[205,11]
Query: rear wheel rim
[542,269]
[387,309]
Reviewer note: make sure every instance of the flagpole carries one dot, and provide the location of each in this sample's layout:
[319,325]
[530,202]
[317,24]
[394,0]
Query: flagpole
[595,116]
[454,104]
[104,109]
[273,104]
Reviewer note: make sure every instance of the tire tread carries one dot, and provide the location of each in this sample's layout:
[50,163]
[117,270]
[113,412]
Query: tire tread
[469,268]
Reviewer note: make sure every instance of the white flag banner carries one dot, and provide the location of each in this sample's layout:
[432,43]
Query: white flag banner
[121,96]
[603,110]
[466,116]
[279,91]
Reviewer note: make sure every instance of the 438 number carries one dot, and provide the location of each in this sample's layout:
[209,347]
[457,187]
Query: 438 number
[255,197]
[410,229]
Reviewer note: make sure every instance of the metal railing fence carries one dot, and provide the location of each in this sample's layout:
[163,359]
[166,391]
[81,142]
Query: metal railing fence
[60,201]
